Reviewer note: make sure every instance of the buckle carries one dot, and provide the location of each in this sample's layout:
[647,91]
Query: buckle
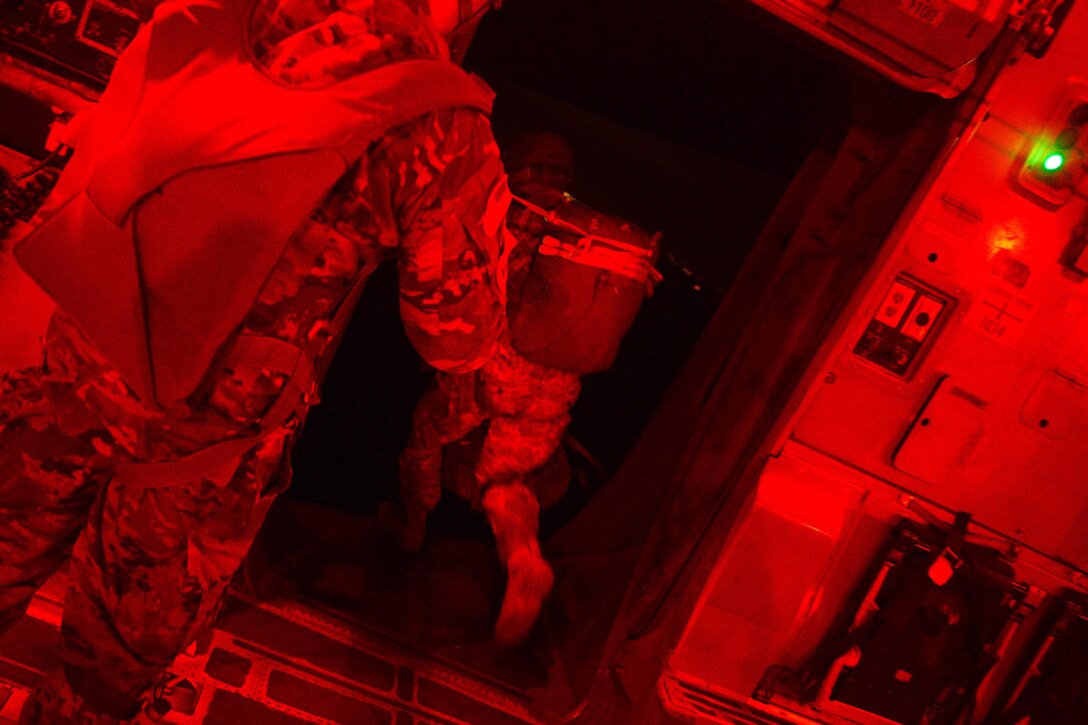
[944,566]
[321,327]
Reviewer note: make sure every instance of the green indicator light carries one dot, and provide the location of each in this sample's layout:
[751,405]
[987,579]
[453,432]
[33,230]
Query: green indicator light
[1053,162]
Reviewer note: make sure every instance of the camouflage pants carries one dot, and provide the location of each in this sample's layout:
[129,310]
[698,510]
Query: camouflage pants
[526,408]
[148,566]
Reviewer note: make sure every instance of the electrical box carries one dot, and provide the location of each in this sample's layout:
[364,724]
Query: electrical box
[901,325]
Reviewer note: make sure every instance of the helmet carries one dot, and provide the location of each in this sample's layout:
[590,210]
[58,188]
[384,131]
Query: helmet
[540,163]
[457,21]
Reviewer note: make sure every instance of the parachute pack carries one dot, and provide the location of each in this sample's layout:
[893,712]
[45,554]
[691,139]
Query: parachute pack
[215,195]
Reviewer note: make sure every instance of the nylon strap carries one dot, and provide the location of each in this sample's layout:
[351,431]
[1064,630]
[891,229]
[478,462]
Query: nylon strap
[602,256]
[628,260]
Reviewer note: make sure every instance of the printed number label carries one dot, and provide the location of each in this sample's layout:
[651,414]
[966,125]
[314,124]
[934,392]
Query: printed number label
[992,327]
[1000,314]
[927,11]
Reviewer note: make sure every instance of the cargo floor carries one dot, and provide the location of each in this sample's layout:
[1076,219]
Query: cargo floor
[348,629]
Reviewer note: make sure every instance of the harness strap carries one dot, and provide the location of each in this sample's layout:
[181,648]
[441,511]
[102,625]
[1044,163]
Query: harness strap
[604,254]
[298,393]
[592,250]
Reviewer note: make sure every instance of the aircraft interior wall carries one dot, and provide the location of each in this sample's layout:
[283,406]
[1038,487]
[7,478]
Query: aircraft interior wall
[840,590]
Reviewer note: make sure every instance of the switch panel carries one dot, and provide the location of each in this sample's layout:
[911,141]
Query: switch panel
[901,325]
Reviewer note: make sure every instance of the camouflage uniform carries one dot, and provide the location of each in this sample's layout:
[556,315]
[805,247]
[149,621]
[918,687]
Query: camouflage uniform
[521,411]
[526,408]
[528,404]
[494,437]
[149,566]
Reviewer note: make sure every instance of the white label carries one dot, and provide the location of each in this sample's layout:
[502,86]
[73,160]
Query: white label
[1000,314]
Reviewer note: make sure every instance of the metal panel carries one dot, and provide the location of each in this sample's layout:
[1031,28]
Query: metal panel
[1017,338]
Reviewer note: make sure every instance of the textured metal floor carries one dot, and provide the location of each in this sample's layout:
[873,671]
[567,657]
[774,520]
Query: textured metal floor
[285,663]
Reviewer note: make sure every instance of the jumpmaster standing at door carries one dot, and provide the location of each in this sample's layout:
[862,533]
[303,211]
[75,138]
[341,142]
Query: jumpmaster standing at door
[576,279]
[247,167]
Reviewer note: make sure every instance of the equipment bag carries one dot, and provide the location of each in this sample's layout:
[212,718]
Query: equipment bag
[588,278]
